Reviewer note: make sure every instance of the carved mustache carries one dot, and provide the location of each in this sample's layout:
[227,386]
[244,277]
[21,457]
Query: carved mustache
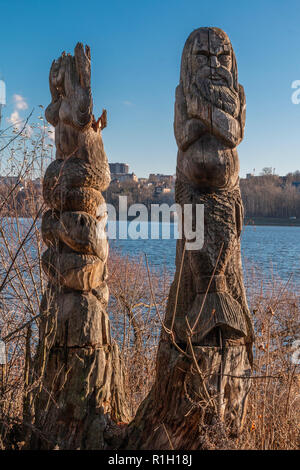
[222,96]
[220,73]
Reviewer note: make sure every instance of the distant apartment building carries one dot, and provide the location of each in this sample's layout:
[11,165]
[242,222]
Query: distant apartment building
[120,172]
[159,178]
[161,190]
[143,180]
[119,168]
[124,177]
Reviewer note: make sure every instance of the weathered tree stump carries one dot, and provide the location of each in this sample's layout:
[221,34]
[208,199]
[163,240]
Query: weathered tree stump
[205,351]
[81,392]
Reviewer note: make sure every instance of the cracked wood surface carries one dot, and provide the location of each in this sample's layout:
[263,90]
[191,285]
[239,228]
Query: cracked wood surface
[205,351]
[81,392]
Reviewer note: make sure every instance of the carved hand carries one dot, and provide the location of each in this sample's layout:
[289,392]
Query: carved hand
[217,122]
[187,130]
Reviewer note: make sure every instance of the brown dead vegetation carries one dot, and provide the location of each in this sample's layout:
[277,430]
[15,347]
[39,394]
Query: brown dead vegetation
[272,420]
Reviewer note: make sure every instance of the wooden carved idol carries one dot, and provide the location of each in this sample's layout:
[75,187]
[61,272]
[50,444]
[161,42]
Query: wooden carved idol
[205,352]
[81,390]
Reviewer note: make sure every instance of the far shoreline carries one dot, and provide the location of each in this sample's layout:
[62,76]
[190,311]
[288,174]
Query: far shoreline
[248,221]
[272,221]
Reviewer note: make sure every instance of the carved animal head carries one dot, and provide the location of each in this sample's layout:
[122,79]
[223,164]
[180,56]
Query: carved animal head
[208,68]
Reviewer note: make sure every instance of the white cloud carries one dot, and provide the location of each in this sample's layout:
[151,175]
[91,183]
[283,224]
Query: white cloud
[15,119]
[127,103]
[20,102]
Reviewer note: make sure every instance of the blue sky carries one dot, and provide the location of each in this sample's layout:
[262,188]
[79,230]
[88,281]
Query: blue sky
[136,48]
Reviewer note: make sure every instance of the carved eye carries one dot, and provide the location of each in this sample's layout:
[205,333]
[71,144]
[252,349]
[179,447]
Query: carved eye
[202,59]
[224,59]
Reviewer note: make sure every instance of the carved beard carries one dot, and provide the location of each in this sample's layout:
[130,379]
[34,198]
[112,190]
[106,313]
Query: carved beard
[220,96]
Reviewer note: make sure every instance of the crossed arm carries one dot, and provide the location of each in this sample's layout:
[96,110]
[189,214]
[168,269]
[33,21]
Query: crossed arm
[204,118]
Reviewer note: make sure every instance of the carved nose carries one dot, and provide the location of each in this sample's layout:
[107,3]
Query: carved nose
[214,61]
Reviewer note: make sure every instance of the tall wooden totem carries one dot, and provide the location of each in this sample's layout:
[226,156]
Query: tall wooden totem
[205,351]
[81,387]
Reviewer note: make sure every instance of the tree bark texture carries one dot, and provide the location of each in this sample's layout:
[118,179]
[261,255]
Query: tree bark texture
[205,352]
[81,393]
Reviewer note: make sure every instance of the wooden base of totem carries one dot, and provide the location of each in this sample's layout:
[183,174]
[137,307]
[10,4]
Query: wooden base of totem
[183,403]
[82,391]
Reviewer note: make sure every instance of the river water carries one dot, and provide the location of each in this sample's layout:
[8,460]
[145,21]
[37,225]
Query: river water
[273,251]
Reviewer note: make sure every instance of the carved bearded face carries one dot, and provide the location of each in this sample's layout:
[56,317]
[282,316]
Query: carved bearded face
[209,68]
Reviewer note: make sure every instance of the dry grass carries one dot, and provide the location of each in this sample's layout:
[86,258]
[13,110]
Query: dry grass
[134,322]
[272,420]
[273,416]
